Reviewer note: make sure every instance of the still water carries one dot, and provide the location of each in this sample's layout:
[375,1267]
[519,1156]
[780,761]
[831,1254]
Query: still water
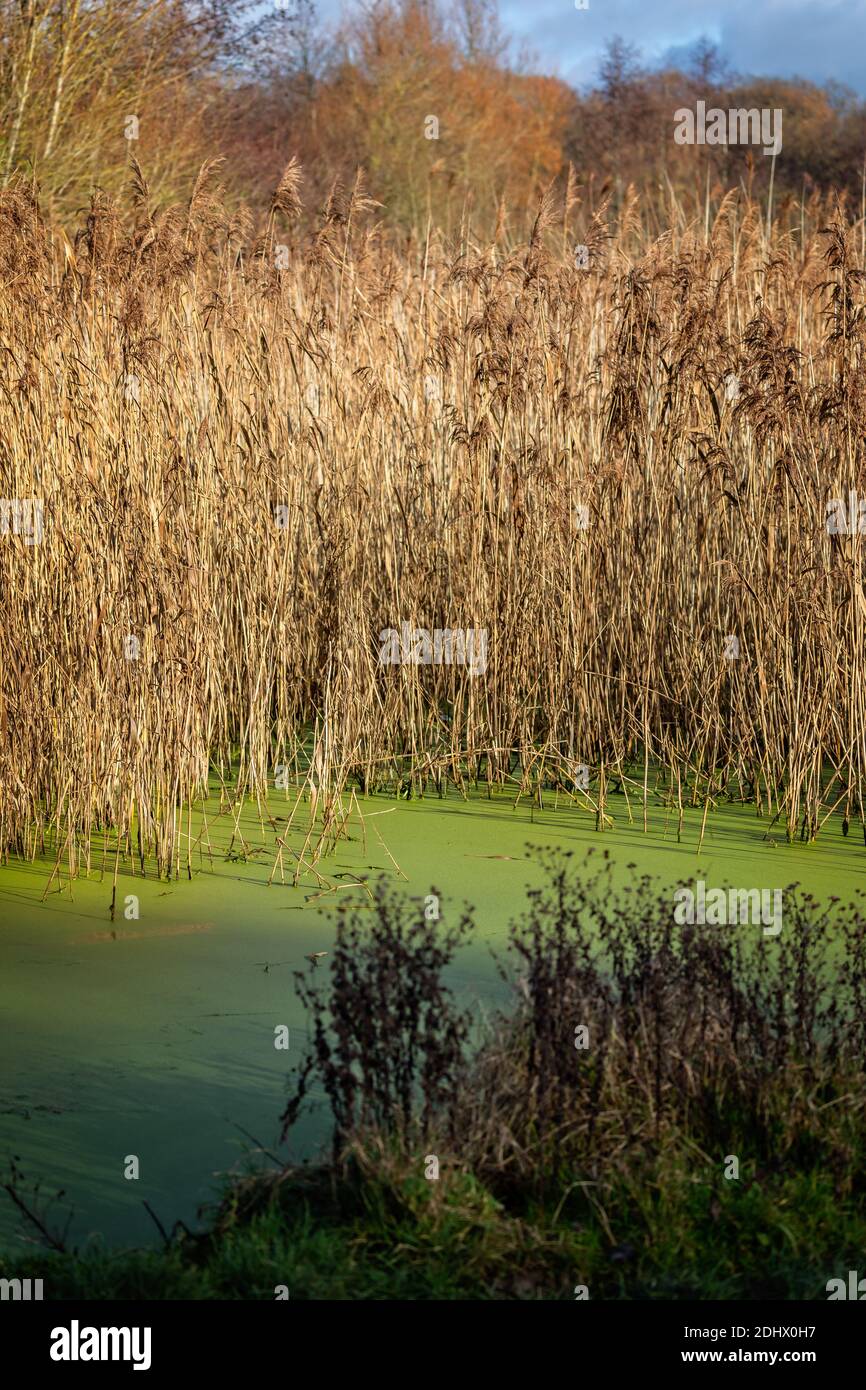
[155,1036]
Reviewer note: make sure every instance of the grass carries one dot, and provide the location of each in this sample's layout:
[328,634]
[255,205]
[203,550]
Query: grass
[678,1234]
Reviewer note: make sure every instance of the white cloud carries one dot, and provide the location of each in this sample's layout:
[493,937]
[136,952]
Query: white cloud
[817,39]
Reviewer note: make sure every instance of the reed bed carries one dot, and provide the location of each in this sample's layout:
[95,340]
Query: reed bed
[258,447]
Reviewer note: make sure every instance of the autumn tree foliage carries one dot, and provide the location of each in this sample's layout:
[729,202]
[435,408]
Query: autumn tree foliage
[428,97]
[424,99]
[84,83]
[620,134]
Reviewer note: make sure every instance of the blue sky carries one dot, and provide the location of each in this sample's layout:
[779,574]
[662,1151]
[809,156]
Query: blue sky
[819,39]
[822,40]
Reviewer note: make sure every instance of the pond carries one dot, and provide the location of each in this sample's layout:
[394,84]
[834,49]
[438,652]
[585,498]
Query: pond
[154,1036]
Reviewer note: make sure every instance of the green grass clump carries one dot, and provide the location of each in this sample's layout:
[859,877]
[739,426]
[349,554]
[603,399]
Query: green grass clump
[389,1233]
